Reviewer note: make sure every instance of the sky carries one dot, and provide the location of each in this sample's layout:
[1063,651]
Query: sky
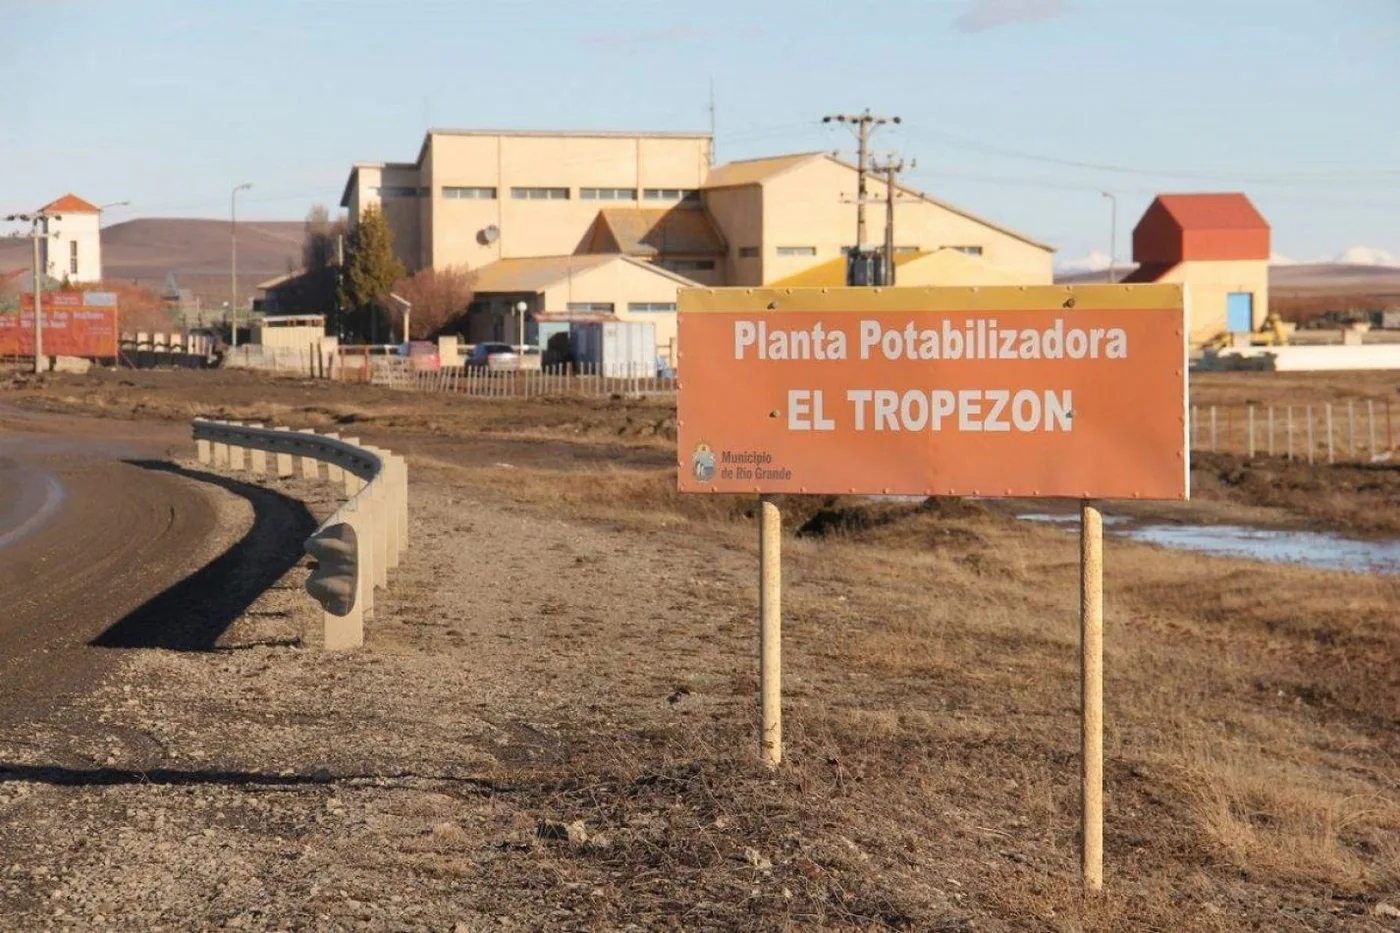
[1021,111]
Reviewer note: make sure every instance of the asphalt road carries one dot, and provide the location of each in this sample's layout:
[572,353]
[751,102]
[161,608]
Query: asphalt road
[91,528]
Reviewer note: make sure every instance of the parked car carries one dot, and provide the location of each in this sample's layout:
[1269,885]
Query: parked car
[494,356]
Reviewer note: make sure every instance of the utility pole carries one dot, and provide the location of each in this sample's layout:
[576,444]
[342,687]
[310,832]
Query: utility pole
[233,263]
[863,125]
[890,169]
[1112,237]
[712,123]
[38,229]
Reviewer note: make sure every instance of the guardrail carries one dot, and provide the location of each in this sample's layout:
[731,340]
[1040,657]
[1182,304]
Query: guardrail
[357,546]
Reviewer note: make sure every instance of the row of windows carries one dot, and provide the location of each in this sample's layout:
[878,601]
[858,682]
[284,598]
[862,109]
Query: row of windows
[751,252]
[486,193]
[636,307]
[687,265]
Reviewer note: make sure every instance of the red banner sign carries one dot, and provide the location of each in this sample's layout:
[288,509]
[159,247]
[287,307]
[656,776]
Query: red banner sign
[74,324]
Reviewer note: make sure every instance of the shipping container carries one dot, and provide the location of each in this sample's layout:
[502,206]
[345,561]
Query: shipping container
[618,349]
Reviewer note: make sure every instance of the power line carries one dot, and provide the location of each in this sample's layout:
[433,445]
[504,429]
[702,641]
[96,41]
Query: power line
[1339,175]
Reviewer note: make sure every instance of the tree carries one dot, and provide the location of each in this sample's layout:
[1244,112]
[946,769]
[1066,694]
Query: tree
[371,271]
[313,289]
[439,298]
[138,308]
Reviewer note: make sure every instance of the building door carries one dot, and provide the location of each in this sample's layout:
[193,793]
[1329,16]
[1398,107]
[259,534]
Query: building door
[1239,312]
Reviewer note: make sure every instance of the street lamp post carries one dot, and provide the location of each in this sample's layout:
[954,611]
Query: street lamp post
[520,309]
[1112,237]
[233,263]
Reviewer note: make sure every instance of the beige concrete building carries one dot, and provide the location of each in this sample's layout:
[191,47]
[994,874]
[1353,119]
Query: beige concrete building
[1218,245]
[514,206]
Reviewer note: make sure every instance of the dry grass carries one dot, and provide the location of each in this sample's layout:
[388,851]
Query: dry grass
[1253,755]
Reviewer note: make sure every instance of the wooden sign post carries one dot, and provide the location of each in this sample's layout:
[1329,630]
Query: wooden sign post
[1020,391]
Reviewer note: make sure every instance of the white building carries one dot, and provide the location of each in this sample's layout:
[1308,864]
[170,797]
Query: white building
[73,249]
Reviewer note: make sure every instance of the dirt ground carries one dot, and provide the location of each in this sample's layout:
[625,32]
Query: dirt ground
[552,724]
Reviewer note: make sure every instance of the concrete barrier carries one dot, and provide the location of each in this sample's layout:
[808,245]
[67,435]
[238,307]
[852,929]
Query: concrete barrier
[360,543]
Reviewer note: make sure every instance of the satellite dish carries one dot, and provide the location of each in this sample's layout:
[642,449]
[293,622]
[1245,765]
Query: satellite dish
[490,234]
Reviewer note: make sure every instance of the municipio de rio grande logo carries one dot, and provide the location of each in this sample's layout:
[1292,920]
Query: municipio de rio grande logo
[702,462]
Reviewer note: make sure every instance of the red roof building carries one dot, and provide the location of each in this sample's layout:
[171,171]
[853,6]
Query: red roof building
[1190,227]
[1218,246]
[70,204]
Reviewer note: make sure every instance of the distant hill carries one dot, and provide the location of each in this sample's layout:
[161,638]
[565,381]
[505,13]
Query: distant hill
[1303,278]
[197,251]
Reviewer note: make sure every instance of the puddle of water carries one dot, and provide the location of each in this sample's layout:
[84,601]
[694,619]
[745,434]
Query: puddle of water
[1309,548]
[1070,518]
[31,498]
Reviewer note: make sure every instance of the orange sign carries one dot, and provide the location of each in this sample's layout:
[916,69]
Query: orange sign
[75,324]
[1049,391]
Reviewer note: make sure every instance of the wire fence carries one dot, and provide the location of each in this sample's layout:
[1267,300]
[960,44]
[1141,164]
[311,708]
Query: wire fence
[583,380]
[1354,431]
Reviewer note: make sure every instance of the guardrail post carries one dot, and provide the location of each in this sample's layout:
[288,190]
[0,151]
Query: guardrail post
[386,493]
[401,483]
[379,508]
[284,461]
[353,483]
[236,459]
[257,458]
[220,455]
[309,468]
[206,452]
[334,474]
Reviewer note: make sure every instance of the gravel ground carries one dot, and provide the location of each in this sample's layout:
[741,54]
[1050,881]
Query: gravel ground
[269,785]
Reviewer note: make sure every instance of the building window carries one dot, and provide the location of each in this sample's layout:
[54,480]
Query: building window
[73,257]
[687,265]
[906,249]
[797,251]
[748,252]
[607,194]
[469,194]
[671,194]
[604,307]
[651,307]
[401,191]
[540,194]
[970,250]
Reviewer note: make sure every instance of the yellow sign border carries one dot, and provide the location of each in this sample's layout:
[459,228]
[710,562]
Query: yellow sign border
[933,298]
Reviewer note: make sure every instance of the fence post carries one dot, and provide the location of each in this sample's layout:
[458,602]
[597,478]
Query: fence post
[1271,430]
[1195,428]
[1251,432]
[1290,432]
[1370,425]
[1213,439]
[1330,457]
[1351,428]
[1229,428]
[1389,428]
[1310,433]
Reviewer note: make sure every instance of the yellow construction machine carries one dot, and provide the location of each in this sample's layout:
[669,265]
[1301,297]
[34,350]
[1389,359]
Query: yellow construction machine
[1274,332]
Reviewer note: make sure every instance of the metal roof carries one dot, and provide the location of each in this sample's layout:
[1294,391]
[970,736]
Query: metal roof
[535,274]
[755,171]
[1218,211]
[653,231]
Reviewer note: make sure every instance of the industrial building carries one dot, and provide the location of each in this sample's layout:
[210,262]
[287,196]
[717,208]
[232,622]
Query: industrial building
[1218,244]
[71,249]
[612,224]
